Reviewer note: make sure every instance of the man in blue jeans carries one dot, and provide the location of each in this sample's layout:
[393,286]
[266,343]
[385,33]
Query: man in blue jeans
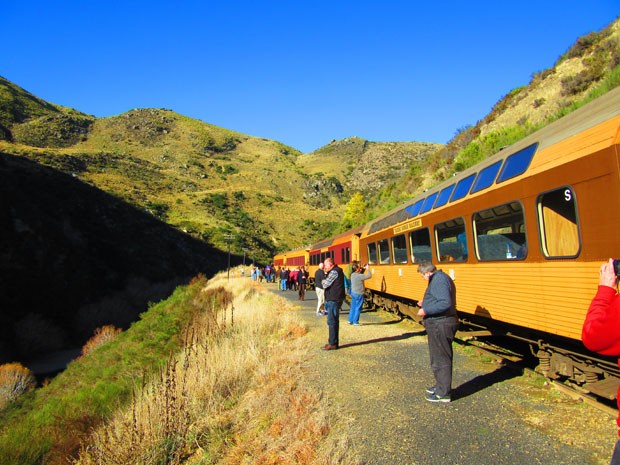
[333,284]
[438,309]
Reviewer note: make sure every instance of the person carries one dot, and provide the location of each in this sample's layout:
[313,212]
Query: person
[333,284]
[302,280]
[320,292]
[438,309]
[292,279]
[601,328]
[347,278]
[283,278]
[358,276]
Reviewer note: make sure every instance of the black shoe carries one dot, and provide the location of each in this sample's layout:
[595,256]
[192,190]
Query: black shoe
[435,398]
[430,390]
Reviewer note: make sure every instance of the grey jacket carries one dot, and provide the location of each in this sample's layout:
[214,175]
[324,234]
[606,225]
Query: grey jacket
[357,281]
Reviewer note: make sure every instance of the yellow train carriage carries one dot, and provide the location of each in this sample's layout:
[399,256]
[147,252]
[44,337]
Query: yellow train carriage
[522,234]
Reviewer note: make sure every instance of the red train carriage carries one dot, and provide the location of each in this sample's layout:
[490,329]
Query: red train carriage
[342,248]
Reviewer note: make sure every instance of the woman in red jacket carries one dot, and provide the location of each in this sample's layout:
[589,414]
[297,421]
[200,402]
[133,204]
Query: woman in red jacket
[601,330]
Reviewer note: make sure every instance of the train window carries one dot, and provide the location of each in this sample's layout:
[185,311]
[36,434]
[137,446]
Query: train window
[428,203]
[451,241]
[420,246]
[372,253]
[517,163]
[486,177]
[384,252]
[500,233]
[462,187]
[557,217]
[345,255]
[444,196]
[414,209]
[399,249]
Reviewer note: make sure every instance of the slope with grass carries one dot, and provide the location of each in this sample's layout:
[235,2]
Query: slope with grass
[214,374]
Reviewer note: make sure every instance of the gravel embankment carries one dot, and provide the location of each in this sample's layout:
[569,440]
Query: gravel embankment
[376,382]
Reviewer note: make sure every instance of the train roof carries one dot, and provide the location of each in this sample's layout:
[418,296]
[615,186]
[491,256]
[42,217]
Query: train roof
[327,242]
[599,110]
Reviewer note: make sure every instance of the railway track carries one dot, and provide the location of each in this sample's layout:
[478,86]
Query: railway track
[518,357]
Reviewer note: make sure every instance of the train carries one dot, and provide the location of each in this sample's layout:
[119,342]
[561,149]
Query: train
[522,234]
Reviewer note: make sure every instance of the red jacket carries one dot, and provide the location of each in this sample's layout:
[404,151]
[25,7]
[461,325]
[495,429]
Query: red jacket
[601,330]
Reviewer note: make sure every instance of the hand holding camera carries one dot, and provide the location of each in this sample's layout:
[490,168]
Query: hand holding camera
[609,273]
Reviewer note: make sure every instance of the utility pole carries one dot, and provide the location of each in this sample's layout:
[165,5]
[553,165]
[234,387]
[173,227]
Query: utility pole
[229,238]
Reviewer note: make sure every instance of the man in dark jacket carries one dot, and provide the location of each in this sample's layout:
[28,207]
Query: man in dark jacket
[438,309]
[333,284]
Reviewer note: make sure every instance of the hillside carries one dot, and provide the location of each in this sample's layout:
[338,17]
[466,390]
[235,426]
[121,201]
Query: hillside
[103,215]
[207,181]
[365,166]
[73,258]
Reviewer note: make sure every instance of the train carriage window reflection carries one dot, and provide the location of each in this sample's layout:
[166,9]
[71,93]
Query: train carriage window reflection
[462,187]
[486,177]
[372,253]
[384,252]
[557,217]
[517,163]
[414,209]
[399,249]
[444,196]
[420,246]
[500,233]
[451,243]
[428,203]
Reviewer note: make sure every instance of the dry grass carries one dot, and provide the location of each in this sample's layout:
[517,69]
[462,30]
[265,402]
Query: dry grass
[102,335]
[235,394]
[15,379]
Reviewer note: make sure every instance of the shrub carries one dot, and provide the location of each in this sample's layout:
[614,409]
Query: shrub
[53,130]
[15,379]
[102,335]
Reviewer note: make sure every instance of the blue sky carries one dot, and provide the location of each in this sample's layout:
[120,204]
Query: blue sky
[302,73]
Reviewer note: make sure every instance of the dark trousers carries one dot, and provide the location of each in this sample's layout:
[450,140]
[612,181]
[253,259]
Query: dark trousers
[615,458]
[332,307]
[440,332]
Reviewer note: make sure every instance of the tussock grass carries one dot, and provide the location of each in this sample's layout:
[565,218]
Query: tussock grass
[15,380]
[232,395]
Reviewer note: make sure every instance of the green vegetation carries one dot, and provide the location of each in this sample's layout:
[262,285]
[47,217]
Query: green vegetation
[93,386]
[215,363]
[490,144]
[355,213]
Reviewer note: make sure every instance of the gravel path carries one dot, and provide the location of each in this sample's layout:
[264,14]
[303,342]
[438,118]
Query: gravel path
[376,381]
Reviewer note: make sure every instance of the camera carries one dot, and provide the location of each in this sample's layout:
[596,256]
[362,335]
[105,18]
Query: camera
[617,267]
